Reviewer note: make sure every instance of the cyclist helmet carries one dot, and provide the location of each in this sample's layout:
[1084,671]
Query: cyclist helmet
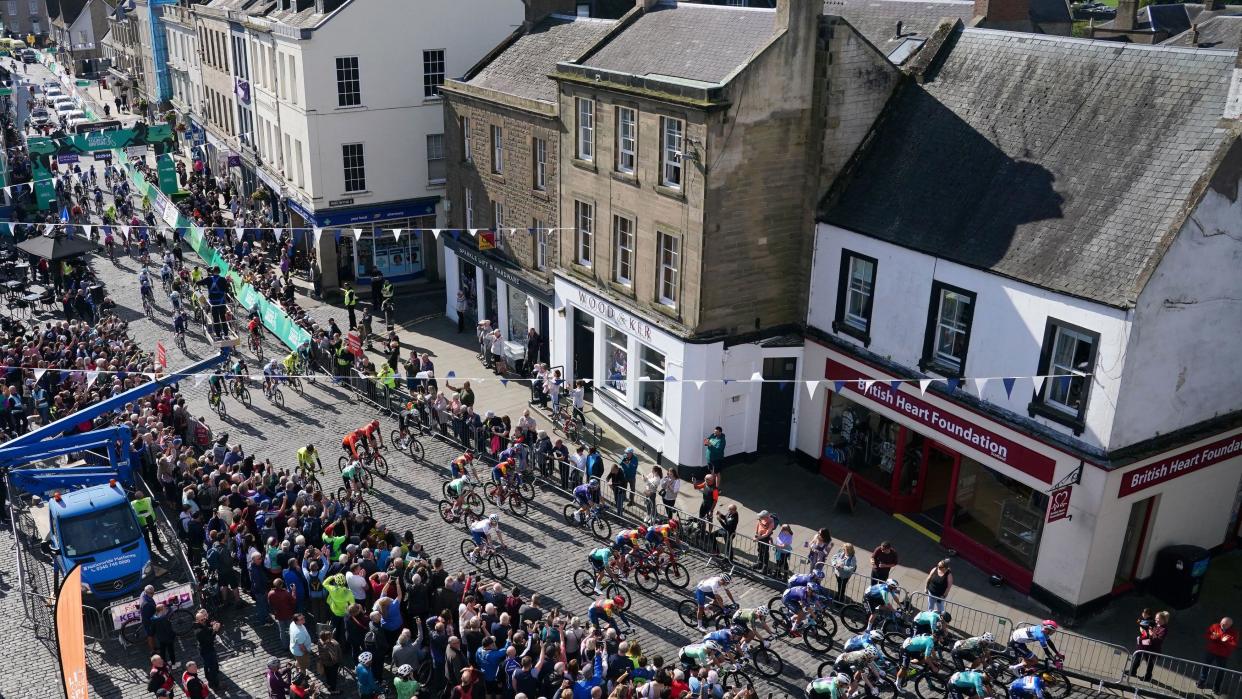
[818,573]
[405,670]
[594,484]
[842,678]
[988,637]
[310,447]
[946,617]
[1049,625]
[711,646]
[672,524]
[375,423]
[875,636]
[619,601]
[510,461]
[872,652]
[892,584]
[469,455]
[494,517]
[642,531]
[761,612]
[726,579]
[737,630]
[364,657]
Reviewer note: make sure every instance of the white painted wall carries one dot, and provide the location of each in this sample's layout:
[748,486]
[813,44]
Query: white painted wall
[394,119]
[1187,320]
[1008,327]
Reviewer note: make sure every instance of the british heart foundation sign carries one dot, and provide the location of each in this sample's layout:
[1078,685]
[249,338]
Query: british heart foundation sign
[1058,504]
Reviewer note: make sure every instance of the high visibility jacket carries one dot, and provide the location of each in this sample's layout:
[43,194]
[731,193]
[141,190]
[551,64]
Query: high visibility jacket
[351,298]
[343,357]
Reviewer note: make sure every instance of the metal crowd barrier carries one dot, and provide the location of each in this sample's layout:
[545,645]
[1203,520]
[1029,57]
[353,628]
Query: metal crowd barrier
[968,621]
[1089,657]
[1178,676]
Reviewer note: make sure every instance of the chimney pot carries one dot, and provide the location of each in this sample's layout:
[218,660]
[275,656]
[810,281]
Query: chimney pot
[897,34]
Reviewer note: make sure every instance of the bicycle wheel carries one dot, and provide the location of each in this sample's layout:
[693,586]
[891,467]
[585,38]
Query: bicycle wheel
[342,493]
[423,672]
[341,463]
[526,490]
[444,489]
[688,611]
[569,512]
[827,622]
[497,566]
[929,685]
[182,622]
[365,477]
[517,505]
[891,645]
[612,590]
[584,581]
[854,617]
[446,512]
[415,448]
[676,575]
[380,464]
[312,483]
[220,409]
[467,548]
[767,663]
[1056,683]
[394,438]
[817,639]
[736,678]
[601,527]
[363,507]
[132,632]
[491,493]
[777,603]
[243,395]
[278,398]
[828,666]
[473,505]
[646,578]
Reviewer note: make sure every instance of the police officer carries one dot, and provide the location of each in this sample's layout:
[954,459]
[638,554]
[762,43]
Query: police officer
[343,359]
[218,293]
[145,512]
[351,303]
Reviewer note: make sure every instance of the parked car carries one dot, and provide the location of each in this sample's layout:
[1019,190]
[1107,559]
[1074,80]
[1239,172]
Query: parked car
[40,116]
[29,56]
[65,109]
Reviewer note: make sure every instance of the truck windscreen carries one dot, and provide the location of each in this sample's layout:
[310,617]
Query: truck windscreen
[98,531]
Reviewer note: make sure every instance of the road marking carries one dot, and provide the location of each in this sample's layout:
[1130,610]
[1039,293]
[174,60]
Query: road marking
[918,527]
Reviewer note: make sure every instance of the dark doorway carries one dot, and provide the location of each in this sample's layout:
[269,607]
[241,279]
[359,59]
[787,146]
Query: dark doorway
[938,479]
[776,403]
[544,325]
[491,307]
[584,346]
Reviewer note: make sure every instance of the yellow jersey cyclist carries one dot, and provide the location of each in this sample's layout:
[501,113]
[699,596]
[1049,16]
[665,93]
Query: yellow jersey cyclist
[290,363]
[308,460]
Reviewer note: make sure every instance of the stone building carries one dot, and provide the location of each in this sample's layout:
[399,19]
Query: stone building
[503,142]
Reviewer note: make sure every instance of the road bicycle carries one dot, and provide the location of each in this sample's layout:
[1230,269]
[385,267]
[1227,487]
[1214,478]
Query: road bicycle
[1056,682]
[486,557]
[215,399]
[255,343]
[148,307]
[714,616]
[756,656]
[273,393]
[371,460]
[181,343]
[880,686]
[814,630]
[409,444]
[354,500]
[237,387]
[584,581]
[501,495]
[665,558]
[471,484]
[820,607]
[594,520]
[472,509]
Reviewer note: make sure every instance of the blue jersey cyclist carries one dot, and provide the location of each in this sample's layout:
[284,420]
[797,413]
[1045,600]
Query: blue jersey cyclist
[586,496]
[725,638]
[881,598]
[1029,686]
[798,599]
[815,576]
[862,641]
[917,649]
[1021,639]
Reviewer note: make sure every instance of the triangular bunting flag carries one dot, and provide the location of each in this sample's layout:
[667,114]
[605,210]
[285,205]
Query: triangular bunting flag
[90,378]
[473,231]
[504,382]
[895,384]
[588,381]
[838,386]
[435,233]
[811,388]
[1039,383]
[317,232]
[48,228]
[698,383]
[199,379]
[451,375]
[979,386]
[1008,384]
[669,378]
[357,234]
[726,381]
[953,384]
[86,230]
[280,233]
[38,373]
[396,234]
[923,384]
[867,384]
[239,230]
[124,230]
[756,377]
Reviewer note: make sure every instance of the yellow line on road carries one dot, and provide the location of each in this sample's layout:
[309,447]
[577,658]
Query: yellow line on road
[918,527]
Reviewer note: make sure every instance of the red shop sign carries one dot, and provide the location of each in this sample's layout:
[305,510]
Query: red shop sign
[1058,504]
[1172,467]
[951,425]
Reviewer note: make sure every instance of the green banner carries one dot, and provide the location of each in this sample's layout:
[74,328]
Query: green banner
[273,316]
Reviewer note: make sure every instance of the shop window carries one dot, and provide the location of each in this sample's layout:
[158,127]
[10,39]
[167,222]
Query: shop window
[855,292]
[949,317]
[517,314]
[862,441]
[651,386]
[616,360]
[999,513]
[1068,359]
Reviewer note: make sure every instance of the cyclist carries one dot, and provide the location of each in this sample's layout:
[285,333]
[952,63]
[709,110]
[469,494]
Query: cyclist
[351,475]
[166,273]
[215,386]
[932,623]
[881,597]
[751,621]
[971,652]
[457,488]
[254,327]
[273,373]
[918,649]
[862,640]
[1026,635]
[181,322]
[699,655]
[174,297]
[308,459]
[631,538]
[144,286]
[351,443]
[481,532]
[859,665]
[238,371]
[726,638]
[502,475]
[604,609]
[586,496]
[660,534]
[407,418]
[601,559]
[815,576]
[1029,686]
[290,364]
[967,683]
[709,591]
[833,687]
[458,467]
[797,600]
[373,434]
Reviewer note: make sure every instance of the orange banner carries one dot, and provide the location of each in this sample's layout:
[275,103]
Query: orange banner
[70,639]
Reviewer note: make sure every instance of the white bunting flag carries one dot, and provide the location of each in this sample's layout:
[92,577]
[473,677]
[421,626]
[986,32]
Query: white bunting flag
[867,384]
[979,386]
[472,231]
[357,234]
[811,388]
[240,231]
[280,233]
[698,383]
[396,234]
[317,232]
[90,378]
[923,384]
[199,379]
[38,374]
[86,230]
[1039,383]
[435,233]
[757,377]
[124,230]
[49,228]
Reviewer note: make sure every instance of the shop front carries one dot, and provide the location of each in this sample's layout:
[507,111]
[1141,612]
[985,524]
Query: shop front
[947,472]
[367,239]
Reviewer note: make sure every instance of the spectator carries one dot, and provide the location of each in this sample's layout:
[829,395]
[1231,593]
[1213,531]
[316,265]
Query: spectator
[277,680]
[283,606]
[784,549]
[844,564]
[259,582]
[629,466]
[616,479]
[205,631]
[194,687]
[300,643]
[728,528]
[146,612]
[1222,641]
[765,527]
[713,450]
[1151,633]
[939,582]
[883,560]
[330,653]
[821,548]
[160,677]
[165,637]
[711,495]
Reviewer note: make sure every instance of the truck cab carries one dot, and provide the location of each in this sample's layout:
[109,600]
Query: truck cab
[96,528]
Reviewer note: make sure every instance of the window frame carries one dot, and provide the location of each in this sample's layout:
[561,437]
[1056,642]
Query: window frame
[497,136]
[622,254]
[468,207]
[539,160]
[584,242]
[343,93]
[362,166]
[1040,404]
[667,162]
[931,359]
[839,324]
[663,269]
[655,385]
[498,215]
[432,138]
[584,146]
[622,151]
[432,85]
[466,141]
[622,387]
[541,245]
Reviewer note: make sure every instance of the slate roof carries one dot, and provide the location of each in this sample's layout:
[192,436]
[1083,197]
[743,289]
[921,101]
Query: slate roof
[877,19]
[1216,33]
[522,68]
[70,10]
[304,16]
[706,43]
[1055,161]
[1174,17]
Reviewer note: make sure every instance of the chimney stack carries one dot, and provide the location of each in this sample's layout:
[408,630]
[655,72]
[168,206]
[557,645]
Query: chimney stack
[1127,15]
[1194,34]
[1002,14]
[536,10]
[646,4]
